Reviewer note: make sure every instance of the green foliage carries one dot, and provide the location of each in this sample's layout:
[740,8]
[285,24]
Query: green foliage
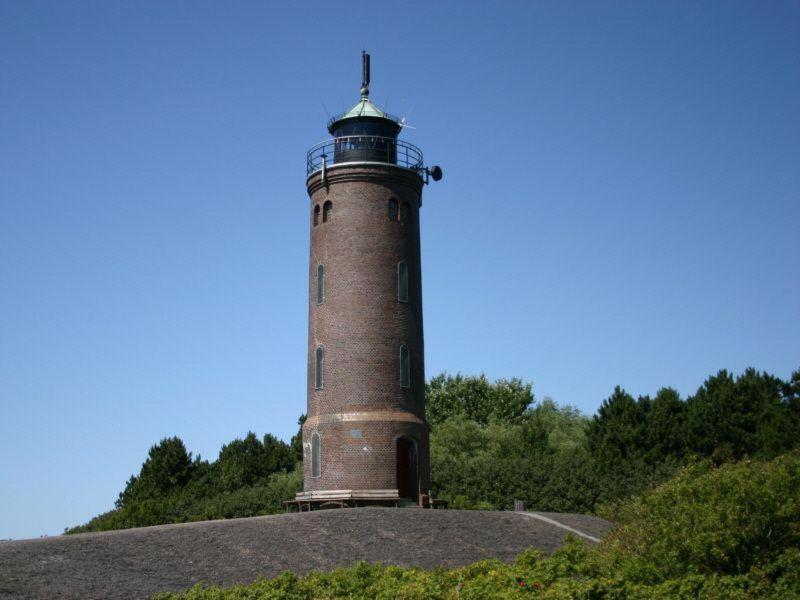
[187,505]
[246,462]
[476,399]
[715,533]
[297,440]
[486,449]
[540,458]
[168,467]
[645,430]
[251,477]
[489,446]
[635,444]
[706,520]
[755,414]
[638,443]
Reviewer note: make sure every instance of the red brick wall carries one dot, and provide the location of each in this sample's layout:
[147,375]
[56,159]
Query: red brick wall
[361,325]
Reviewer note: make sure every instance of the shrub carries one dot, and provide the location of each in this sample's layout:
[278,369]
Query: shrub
[541,459]
[726,520]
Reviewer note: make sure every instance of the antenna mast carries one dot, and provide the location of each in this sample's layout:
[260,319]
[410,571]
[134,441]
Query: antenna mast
[365,74]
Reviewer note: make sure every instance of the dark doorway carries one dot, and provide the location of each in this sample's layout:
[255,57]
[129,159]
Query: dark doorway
[407,484]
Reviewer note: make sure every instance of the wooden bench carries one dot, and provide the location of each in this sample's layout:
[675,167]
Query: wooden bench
[341,498]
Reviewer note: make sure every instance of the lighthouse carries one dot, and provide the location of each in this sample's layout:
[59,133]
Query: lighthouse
[365,439]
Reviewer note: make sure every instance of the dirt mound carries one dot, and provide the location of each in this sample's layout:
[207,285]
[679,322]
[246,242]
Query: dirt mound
[136,563]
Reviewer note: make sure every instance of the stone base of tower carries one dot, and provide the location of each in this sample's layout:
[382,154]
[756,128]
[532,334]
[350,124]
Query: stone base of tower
[382,451]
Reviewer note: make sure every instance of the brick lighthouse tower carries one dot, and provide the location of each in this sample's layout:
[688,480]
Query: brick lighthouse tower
[365,439]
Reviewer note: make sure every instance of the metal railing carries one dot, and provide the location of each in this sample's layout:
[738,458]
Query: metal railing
[363,148]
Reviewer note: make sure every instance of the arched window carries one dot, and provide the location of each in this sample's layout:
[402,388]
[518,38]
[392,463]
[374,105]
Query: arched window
[327,211]
[392,209]
[319,364]
[316,469]
[320,283]
[405,213]
[316,215]
[405,367]
[402,281]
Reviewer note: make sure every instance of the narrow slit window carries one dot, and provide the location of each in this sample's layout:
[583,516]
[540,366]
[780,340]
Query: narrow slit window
[405,212]
[405,367]
[316,469]
[402,281]
[316,215]
[320,283]
[319,365]
[392,209]
[327,211]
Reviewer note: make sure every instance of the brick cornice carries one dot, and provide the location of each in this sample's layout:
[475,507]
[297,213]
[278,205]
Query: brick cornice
[370,172]
[385,416]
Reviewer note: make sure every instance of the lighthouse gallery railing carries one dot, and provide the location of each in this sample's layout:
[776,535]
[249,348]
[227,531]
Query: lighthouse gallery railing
[363,148]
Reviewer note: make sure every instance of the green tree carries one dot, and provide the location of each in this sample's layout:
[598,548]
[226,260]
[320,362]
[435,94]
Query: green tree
[665,434]
[729,418]
[635,444]
[558,428]
[618,431]
[645,430]
[297,439]
[168,467]
[241,462]
[541,459]
[476,398]
[279,455]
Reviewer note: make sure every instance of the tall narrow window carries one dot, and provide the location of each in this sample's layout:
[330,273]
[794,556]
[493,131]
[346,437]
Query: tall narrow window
[327,211]
[405,212]
[316,215]
[392,209]
[320,283]
[402,281]
[315,458]
[405,367]
[319,364]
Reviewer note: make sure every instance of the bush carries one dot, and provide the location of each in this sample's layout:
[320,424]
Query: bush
[540,458]
[727,520]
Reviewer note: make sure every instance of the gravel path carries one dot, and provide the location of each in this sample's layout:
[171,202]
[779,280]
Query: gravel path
[136,563]
[589,525]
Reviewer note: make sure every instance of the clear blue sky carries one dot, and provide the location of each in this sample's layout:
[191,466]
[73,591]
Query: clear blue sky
[620,206]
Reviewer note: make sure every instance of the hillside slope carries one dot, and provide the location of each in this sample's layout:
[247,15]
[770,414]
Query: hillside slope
[136,563]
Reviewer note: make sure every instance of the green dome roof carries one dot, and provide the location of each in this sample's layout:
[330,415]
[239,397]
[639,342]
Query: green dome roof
[364,109]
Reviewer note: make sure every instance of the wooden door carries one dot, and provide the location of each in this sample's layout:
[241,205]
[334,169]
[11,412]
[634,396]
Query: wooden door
[407,469]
